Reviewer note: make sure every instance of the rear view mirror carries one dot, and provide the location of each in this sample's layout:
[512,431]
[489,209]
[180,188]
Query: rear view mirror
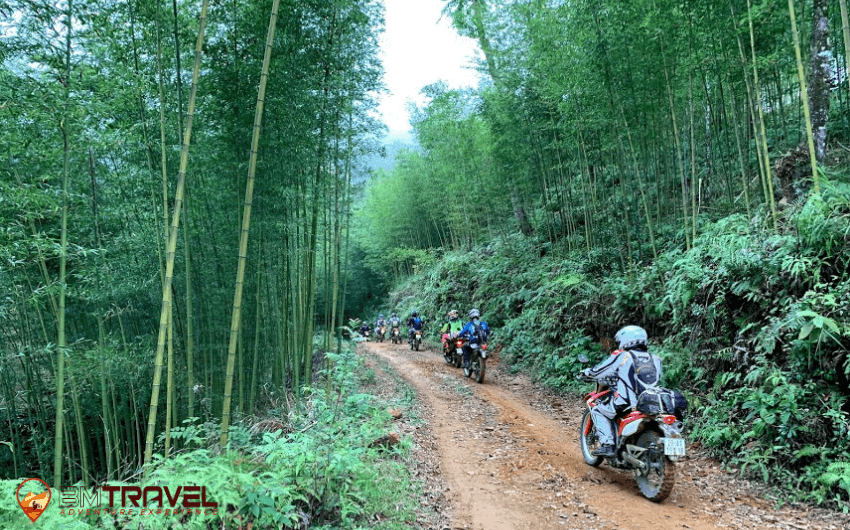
[582,358]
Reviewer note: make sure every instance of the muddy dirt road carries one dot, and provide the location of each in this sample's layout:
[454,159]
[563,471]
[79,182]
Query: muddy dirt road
[509,459]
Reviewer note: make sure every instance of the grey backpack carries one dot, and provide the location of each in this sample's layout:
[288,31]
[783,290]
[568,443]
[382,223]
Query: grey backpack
[644,373]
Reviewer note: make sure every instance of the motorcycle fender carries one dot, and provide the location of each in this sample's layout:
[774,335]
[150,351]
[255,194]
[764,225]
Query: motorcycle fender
[630,429]
[483,354]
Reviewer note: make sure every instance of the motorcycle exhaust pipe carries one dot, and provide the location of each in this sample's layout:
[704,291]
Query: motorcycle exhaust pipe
[640,464]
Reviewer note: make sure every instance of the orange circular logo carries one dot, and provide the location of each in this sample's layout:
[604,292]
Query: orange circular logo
[34,504]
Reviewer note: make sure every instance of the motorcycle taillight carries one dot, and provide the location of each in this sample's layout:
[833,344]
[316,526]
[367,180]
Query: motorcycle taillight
[459,343]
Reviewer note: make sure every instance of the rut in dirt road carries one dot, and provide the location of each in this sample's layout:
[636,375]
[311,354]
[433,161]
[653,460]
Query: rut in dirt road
[509,454]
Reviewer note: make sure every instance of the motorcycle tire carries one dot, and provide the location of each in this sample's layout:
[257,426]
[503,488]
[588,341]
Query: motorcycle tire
[458,361]
[588,441]
[477,368]
[416,344]
[658,480]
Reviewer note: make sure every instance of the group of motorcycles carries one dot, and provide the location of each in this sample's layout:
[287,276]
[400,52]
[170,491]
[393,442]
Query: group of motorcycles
[648,441]
[395,336]
[453,354]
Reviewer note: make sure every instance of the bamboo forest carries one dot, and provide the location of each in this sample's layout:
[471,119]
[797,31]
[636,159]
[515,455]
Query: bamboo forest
[205,227]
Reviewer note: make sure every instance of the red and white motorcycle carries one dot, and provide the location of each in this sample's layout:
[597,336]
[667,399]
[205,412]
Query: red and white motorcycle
[649,444]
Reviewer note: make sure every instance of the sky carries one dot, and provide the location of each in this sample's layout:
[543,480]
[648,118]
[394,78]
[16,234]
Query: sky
[419,48]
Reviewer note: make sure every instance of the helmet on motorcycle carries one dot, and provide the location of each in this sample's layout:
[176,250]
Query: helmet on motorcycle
[415,313]
[474,314]
[453,314]
[393,315]
[631,336]
[381,315]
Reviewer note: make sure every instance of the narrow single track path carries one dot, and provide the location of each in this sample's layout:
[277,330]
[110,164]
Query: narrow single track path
[510,459]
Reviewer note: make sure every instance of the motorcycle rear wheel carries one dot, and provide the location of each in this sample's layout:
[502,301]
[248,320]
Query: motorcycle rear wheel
[589,442]
[458,360]
[657,482]
[476,369]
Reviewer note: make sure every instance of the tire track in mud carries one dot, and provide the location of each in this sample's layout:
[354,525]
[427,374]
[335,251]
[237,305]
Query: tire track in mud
[509,465]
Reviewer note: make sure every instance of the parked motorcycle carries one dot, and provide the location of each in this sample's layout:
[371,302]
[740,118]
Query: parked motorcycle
[650,444]
[395,336]
[477,359]
[416,340]
[382,332]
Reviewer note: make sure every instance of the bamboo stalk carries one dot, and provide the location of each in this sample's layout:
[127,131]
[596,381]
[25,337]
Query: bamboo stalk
[677,145]
[172,241]
[761,131]
[104,406]
[61,343]
[806,113]
[190,333]
[845,28]
[246,223]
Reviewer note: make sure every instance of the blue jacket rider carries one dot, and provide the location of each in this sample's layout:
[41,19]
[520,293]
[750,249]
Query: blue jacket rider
[415,323]
[627,371]
[469,330]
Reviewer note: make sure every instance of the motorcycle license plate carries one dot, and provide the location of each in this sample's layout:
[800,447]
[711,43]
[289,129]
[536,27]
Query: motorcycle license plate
[674,446]
[460,351]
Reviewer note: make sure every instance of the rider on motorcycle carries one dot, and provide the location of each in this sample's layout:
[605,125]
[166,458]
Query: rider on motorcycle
[475,325]
[628,371]
[395,322]
[380,323]
[364,328]
[452,327]
[415,323]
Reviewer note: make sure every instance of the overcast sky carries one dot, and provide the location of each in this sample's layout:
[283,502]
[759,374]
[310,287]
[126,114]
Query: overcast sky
[419,48]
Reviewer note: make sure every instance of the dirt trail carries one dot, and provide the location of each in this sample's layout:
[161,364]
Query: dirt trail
[510,458]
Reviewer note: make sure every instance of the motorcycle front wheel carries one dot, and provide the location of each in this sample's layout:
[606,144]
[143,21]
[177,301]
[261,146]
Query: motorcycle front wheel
[416,344]
[656,482]
[589,442]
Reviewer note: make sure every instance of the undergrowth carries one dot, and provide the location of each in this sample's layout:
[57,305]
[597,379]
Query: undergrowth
[753,324]
[316,471]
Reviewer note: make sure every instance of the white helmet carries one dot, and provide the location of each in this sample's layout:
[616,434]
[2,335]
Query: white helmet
[631,336]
